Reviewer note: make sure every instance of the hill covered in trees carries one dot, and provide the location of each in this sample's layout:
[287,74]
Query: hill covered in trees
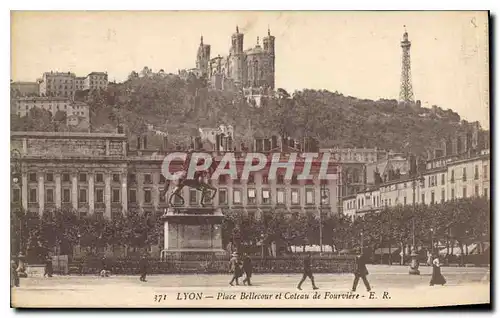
[179,106]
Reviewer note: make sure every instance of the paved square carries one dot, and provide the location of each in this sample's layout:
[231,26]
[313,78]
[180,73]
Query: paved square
[391,286]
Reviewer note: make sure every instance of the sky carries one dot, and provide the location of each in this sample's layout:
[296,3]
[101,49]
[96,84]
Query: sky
[355,53]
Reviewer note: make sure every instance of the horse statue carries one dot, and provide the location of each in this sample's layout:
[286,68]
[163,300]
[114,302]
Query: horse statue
[200,182]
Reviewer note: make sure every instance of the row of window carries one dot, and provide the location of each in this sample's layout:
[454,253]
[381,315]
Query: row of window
[433,180]
[66,195]
[60,93]
[193,196]
[237,196]
[476,173]
[41,101]
[53,80]
[97,82]
[388,202]
[132,178]
[82,177]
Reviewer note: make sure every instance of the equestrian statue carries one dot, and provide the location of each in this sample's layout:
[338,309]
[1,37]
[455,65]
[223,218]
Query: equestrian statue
[200,182]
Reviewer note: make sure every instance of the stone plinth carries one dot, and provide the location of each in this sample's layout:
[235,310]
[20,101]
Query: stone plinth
[193,230]
[35,270]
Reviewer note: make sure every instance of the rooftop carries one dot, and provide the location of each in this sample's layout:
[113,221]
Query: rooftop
[65,135]
[97,73]
[43,98]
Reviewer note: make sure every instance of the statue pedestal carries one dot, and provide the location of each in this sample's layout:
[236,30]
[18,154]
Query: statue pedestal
[196,231]
[35,270]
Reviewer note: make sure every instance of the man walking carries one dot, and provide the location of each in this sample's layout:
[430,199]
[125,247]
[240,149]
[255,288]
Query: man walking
[14,277]
[247,268]
[48,267]
[307,272]
[143,267]
[235,268]
[360,271]
[104,267]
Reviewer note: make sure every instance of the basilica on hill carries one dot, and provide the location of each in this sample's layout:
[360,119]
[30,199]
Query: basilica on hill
[249,70]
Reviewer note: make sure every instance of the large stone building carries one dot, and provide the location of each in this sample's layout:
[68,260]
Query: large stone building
[77,113]
[58,84]
[93,173]
[95,81]
[19,89]
[65,84]
[251,68]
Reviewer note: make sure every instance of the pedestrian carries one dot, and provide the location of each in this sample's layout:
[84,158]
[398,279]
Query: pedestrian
[247,268]
[21,267]
[235,268]
[360,271]
[14,277]
[429,258]
[104,267]
[307,272]
[143,267]
[48,267]
[437,278]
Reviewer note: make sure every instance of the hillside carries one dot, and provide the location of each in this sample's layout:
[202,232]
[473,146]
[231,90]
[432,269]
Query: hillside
[179,107]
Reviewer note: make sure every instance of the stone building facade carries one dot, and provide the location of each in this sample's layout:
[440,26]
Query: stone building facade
[77,113]
[465,176]
[65,84]
[93,173]
[25,88]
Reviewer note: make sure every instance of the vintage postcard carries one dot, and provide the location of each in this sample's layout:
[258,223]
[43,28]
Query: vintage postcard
[249,159]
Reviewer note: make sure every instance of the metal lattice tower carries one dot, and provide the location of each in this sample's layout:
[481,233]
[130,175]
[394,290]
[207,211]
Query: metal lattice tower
[406,90]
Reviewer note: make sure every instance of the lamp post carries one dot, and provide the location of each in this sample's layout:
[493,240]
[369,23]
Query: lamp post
[390,236]
[262,244]
[16,180]
[362,241]
[432,241]
[414,256]
[323,197]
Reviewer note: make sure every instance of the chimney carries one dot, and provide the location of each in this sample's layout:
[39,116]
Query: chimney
[120,129]
[225,143]
[438,153]
[229,143]
[468,140]
[274,142]
[475,136]
[217,142]
[145,142]
[267,144]
[165,142]
[429,155]
[139,143]
[454,146]
[413,166]
[443,147]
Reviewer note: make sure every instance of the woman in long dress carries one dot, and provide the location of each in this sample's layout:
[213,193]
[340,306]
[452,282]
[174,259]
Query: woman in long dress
[437,277]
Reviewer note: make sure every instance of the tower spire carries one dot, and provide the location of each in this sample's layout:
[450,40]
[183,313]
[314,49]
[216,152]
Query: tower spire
[257,41]
[201,40]
[268,30]
[237,29]
[406,89]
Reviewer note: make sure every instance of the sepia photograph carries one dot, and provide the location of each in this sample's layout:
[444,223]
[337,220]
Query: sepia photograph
[250,159]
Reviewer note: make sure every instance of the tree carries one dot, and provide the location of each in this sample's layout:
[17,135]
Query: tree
[60,117]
